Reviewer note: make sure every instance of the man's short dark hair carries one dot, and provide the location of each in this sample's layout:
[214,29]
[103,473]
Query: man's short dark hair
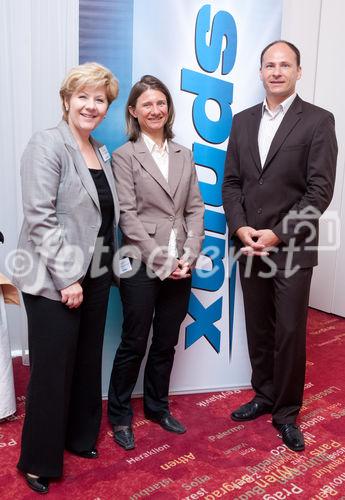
[289,44]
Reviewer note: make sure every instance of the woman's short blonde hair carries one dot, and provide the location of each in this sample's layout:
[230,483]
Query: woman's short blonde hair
[90,73]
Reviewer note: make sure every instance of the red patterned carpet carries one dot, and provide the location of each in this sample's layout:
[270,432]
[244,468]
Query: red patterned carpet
[217,457]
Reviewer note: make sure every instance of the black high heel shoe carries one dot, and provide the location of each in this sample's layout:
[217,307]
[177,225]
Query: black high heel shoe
[38,484]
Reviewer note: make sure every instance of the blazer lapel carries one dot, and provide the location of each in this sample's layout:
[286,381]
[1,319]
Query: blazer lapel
[253,133]
[109,175]
[292,117]
[175,167]
[145,159]
[79,162]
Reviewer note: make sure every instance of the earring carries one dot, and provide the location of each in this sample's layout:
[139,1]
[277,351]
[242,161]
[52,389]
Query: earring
[67,108]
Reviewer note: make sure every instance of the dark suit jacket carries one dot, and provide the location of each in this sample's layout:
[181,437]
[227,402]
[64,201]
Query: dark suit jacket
[294,186]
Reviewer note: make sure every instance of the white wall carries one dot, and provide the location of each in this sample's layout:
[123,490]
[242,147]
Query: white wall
[39,41]
[317,28]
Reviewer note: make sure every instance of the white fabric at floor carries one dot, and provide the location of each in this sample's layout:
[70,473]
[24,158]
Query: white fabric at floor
[7,394]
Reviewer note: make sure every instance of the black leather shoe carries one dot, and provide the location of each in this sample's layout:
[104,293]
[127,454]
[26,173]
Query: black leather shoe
[124,437]
[169,423]
[38,484]
[85,454]
[250,411]
[292,436]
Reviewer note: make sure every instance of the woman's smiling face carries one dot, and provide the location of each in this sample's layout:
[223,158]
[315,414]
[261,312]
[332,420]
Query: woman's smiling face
[151,111]
[86,108]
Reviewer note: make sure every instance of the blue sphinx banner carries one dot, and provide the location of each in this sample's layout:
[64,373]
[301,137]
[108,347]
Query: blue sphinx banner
[208,54]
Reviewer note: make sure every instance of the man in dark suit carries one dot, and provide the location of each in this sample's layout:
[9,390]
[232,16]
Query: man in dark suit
[279,178]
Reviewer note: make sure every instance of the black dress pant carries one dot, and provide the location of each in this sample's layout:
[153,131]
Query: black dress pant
[276,317]
[145,299]
[64,398]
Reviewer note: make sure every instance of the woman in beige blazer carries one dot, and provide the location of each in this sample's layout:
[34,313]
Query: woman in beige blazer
[162,224]
[64,269]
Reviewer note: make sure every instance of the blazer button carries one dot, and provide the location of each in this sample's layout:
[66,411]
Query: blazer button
[259,210]
[171,217]
[261,182]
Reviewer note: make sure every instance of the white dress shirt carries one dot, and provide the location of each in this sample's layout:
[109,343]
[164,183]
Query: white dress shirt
[161,158]
[269,125]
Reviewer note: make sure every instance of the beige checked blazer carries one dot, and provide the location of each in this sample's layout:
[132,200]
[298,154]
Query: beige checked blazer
[150,206]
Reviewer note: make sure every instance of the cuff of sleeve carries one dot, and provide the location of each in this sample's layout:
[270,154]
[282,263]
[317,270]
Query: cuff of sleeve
[278,231]
[235,223]
[164,271]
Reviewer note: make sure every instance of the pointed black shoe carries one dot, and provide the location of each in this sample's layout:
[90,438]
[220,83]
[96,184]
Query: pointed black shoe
[93,453]
[292,436]
[124,437]
[85,454]
[168,423]
[250,411]
[38,484]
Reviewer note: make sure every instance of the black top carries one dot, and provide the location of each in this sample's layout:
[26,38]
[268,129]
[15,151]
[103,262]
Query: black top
[106,232]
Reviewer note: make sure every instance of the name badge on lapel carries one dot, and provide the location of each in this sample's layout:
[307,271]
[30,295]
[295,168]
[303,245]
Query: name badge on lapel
[125,265]
[104,153]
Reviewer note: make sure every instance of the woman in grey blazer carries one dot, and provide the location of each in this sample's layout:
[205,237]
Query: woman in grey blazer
[64,269]
[162,224]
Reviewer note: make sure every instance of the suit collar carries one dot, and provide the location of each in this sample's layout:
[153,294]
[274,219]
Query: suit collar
[253,132]
[144,157]
[82,168]
[152,146]
[109,175]
[291,118]
[176,163]
[67,135]
[283,106]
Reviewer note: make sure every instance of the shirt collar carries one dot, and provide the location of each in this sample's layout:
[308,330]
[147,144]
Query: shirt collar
[152,146]
[283,106]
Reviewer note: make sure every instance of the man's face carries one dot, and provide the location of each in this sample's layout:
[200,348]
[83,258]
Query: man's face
[279,72]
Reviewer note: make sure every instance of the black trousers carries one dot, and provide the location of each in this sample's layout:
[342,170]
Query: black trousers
[276,317]
[64,398]
[145,299]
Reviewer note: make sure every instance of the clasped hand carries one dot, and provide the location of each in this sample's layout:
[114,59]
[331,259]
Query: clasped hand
[72,295]
[257,242]
[182,271]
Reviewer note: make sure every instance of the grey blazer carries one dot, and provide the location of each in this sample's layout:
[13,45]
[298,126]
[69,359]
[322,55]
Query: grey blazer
[150,206]
[62,214]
